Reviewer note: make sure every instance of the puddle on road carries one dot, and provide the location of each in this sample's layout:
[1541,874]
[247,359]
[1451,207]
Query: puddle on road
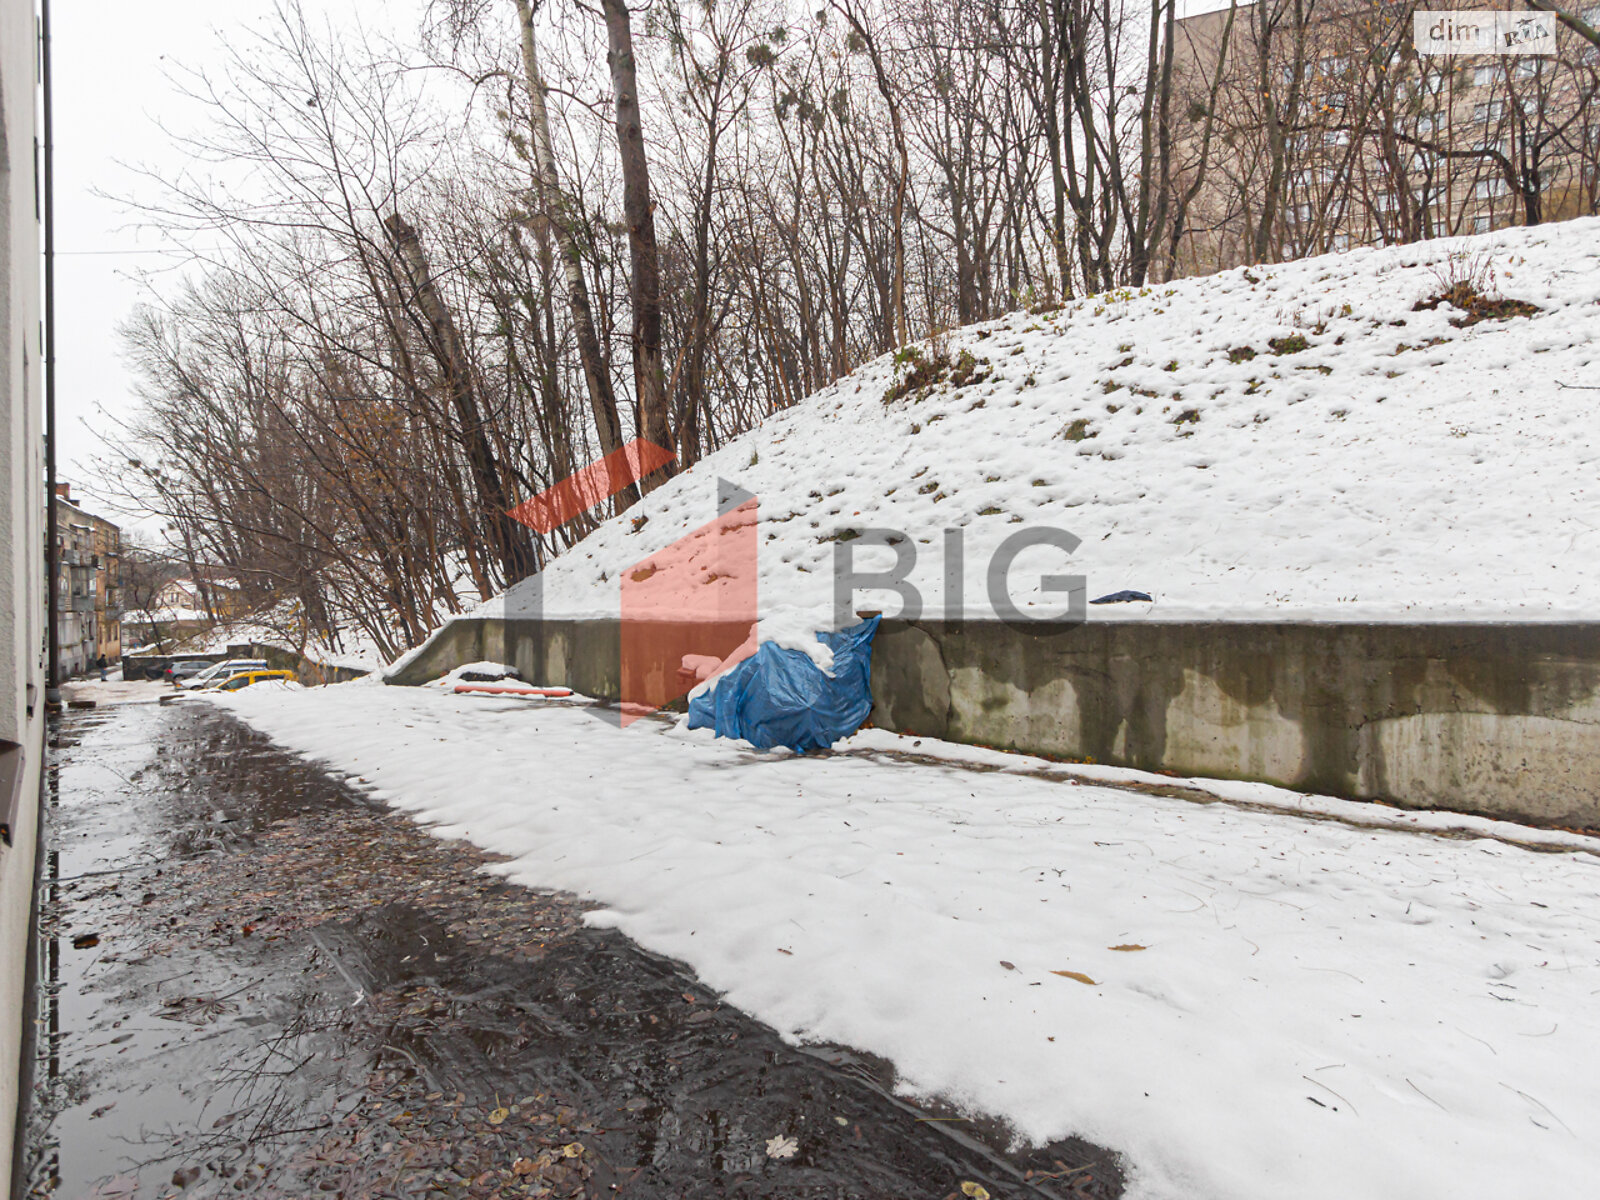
[295,992]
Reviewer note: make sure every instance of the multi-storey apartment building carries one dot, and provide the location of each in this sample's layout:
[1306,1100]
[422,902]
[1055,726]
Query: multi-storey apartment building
[89,616]
[1314,125]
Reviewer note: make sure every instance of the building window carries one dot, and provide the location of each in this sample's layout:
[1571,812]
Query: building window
[1491,110]
[1336,137]
[1482,224]
[1487,188]
[1483,76]
[1333,65]
[1341,241]
[1527,67]
[1431,82]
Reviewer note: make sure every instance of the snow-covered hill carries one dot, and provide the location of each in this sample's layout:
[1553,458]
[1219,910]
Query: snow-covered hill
[1295,442]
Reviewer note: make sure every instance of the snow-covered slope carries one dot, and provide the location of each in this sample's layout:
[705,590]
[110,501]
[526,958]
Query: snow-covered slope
[1289,442]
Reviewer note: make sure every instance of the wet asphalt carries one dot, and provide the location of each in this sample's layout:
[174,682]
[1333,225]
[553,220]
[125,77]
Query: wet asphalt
[253,980]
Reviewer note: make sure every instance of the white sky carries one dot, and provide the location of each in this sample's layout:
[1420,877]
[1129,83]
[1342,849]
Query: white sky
[114,97]
[111,98]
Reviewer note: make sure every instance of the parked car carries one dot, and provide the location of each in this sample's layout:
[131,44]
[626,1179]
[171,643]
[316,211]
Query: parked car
[250,678]
[217,672]
[187,668]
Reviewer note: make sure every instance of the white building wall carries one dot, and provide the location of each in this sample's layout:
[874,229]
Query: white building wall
[21,526]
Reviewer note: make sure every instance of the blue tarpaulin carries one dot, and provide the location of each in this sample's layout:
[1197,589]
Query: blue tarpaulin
[780,697]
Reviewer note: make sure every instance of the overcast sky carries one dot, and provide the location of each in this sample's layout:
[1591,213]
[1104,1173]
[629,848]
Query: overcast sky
[113,66]
[111,98]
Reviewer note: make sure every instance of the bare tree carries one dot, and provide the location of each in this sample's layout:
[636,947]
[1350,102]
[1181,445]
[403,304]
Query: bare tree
[557,210]
[649,373]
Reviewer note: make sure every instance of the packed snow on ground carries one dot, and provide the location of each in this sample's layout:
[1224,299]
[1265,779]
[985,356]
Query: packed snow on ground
[495,670]
[1397,468]
[1281,1004]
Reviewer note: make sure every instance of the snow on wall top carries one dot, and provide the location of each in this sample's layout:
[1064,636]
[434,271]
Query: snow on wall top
[1290,442]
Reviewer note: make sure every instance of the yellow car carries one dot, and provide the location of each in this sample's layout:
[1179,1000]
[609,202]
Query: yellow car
[245,679]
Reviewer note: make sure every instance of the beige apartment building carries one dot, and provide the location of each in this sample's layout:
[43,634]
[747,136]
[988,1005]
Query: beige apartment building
[89,617]
[1316,125]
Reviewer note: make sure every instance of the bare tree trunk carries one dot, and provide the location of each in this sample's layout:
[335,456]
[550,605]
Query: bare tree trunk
[513,549]
[558,211]
[1180,212]
[1157,227]
[649,373]
[902,178]
[1050,106]
[1278,118]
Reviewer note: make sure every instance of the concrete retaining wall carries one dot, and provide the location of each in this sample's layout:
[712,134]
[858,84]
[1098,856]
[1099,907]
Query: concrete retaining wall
[1501,719]
[583,655]
[153,666]
[1498,719]
[312,674]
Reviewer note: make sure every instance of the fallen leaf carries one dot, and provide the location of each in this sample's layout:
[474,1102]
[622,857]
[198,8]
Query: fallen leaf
[782,1146]
[1008,966]
[86,941]
[498,1116]
[524,1166]
[184,1176]
[976,1190]
[1078,975]
[573,1150]
[1129,946]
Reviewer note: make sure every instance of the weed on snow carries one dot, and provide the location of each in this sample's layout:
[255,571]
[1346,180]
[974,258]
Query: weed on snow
[1476,305]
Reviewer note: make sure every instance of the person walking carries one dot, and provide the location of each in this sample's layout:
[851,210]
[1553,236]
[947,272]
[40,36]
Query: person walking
[102,664]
